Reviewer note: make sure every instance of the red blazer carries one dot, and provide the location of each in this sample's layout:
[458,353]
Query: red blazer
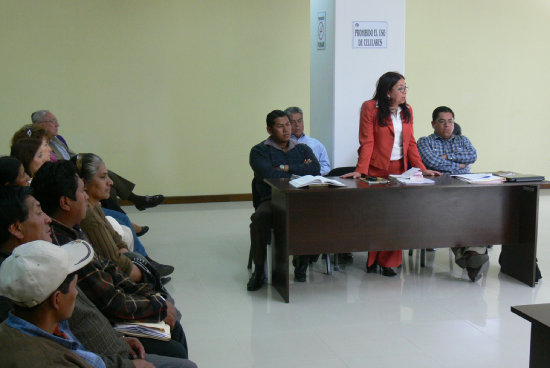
[376,142]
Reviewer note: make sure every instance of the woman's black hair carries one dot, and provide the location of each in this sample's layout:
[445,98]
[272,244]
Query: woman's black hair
[9,170]
[383,86]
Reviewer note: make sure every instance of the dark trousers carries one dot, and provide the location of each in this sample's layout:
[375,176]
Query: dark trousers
[121,188]
[176,347]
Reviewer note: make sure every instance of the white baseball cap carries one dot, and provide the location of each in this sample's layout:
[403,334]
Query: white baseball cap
[36,269]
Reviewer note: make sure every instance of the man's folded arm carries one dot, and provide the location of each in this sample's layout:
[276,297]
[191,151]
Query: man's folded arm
[261,164]
[311,168]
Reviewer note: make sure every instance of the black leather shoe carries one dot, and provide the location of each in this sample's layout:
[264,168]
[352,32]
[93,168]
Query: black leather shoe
[144,230]
[300,273]
[473,273]
[145,202]
[163,270]
[256,281]
[345,258]
[471,259]
[387,271]
[372,268]
[165,280]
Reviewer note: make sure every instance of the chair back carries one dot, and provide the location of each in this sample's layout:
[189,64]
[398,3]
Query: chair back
[337,171]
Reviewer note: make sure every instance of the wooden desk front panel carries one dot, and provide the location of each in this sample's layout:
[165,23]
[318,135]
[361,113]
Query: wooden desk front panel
[398,218]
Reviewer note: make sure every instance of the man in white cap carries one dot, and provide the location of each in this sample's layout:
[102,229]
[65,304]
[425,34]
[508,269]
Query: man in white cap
[40,280]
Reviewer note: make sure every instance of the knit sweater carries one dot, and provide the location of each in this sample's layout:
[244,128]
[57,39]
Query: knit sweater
[106,241]
[267,156]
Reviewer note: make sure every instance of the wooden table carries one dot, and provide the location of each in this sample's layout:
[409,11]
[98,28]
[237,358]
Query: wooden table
[539,316]
[363,217]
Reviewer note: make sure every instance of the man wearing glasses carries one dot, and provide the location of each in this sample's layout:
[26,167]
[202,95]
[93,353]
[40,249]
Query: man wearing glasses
[452,153]
[443,150]
[122,187]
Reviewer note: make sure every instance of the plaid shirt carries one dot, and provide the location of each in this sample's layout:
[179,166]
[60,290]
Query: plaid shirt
[458,149]
[110,289]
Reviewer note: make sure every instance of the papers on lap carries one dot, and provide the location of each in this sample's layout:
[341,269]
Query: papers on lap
[310,180]
[157,331]
[480,178]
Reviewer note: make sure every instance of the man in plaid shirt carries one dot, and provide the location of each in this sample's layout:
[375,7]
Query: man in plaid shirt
[444,151]
[62,196]
[452,153]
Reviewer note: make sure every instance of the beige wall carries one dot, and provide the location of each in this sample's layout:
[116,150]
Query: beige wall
[174,93]
[487,60]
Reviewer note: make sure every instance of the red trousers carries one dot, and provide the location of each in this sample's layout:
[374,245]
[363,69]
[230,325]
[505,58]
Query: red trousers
[387,258]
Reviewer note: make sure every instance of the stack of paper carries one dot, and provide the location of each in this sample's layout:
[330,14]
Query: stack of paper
[158,331]
[411,177]
[481,178]
[310,180]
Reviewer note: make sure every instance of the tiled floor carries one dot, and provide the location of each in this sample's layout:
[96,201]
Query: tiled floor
[424,317]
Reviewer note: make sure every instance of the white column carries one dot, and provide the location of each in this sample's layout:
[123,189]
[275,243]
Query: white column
[342,77]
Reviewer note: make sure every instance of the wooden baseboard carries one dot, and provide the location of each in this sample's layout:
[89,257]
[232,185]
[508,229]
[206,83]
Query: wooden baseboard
[201,199]
[228,198]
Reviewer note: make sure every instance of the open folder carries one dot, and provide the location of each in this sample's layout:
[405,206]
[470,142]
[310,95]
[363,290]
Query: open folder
[157,331]
[310,180]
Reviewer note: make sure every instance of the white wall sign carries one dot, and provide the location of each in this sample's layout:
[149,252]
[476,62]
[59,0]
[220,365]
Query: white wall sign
[321,30]
[369,35]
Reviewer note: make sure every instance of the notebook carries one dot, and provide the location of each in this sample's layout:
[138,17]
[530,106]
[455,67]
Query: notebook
[516,177]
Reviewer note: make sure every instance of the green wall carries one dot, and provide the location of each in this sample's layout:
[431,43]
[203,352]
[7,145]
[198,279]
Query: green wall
[173,94]
[489,62]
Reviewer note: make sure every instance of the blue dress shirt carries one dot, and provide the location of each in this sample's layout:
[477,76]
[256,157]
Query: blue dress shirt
[318,150]
[71,342]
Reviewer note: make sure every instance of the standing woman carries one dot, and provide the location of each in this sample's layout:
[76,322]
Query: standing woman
[387,146]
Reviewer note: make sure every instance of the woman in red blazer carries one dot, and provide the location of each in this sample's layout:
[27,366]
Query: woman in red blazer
[387,146]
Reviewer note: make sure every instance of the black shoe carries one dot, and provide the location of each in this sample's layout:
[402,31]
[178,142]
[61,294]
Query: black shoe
[345,258]
[388,271]
[300,272]
[256,281]
[144,202]
[473,273]
[373,268]
[165,280]
[300,277]
[144,230]
[471,259]
[163,270]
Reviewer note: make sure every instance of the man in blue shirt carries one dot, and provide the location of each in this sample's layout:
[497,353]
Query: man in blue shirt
[453,154]
[276,157]
[40,280]
[296,118]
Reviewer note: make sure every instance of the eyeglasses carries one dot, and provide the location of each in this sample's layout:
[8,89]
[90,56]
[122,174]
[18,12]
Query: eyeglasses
[403,89]
[54,121]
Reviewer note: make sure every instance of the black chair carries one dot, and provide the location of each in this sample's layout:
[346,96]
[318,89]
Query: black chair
[338,171]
